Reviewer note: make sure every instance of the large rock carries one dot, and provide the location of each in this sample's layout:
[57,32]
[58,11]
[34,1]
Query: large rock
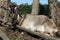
[39,23]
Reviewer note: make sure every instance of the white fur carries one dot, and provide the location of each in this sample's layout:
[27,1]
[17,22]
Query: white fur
[39,24]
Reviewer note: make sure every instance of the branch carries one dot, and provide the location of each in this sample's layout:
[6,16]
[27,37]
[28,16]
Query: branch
[3,35]
[37,34]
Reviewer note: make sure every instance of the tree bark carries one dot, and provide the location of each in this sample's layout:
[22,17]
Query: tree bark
[4,5]
[35,7]
[55,11]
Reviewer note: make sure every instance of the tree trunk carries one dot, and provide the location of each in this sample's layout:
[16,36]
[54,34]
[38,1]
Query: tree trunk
[5,5]
[55,11]
[35,7]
